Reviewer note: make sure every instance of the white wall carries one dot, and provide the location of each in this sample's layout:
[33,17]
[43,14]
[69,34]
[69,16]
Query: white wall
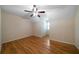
[77,29]
[62,24]
[14,27]
[0,29]
[38,29]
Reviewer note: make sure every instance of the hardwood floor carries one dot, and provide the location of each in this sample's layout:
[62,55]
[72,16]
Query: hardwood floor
[36,45]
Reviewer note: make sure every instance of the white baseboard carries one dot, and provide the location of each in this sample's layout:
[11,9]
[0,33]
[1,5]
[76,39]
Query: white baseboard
[37,35]
[77,46]
[15,39]
[20,38]
[63,42]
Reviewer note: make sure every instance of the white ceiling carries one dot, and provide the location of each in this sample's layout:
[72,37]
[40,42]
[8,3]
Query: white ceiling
[19,9]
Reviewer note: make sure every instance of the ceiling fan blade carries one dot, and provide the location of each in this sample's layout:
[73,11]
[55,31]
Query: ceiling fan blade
[31,15]
[27,11]
[41,11]
[38,15]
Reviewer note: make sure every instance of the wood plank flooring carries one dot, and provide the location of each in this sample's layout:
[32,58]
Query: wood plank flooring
[36,45]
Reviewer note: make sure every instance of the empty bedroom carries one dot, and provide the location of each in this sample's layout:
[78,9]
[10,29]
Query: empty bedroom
[39,29]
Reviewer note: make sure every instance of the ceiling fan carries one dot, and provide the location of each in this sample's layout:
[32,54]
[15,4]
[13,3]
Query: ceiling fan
[34,11]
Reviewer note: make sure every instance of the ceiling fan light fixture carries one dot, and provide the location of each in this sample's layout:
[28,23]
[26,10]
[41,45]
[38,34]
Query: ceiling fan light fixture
[35,14]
